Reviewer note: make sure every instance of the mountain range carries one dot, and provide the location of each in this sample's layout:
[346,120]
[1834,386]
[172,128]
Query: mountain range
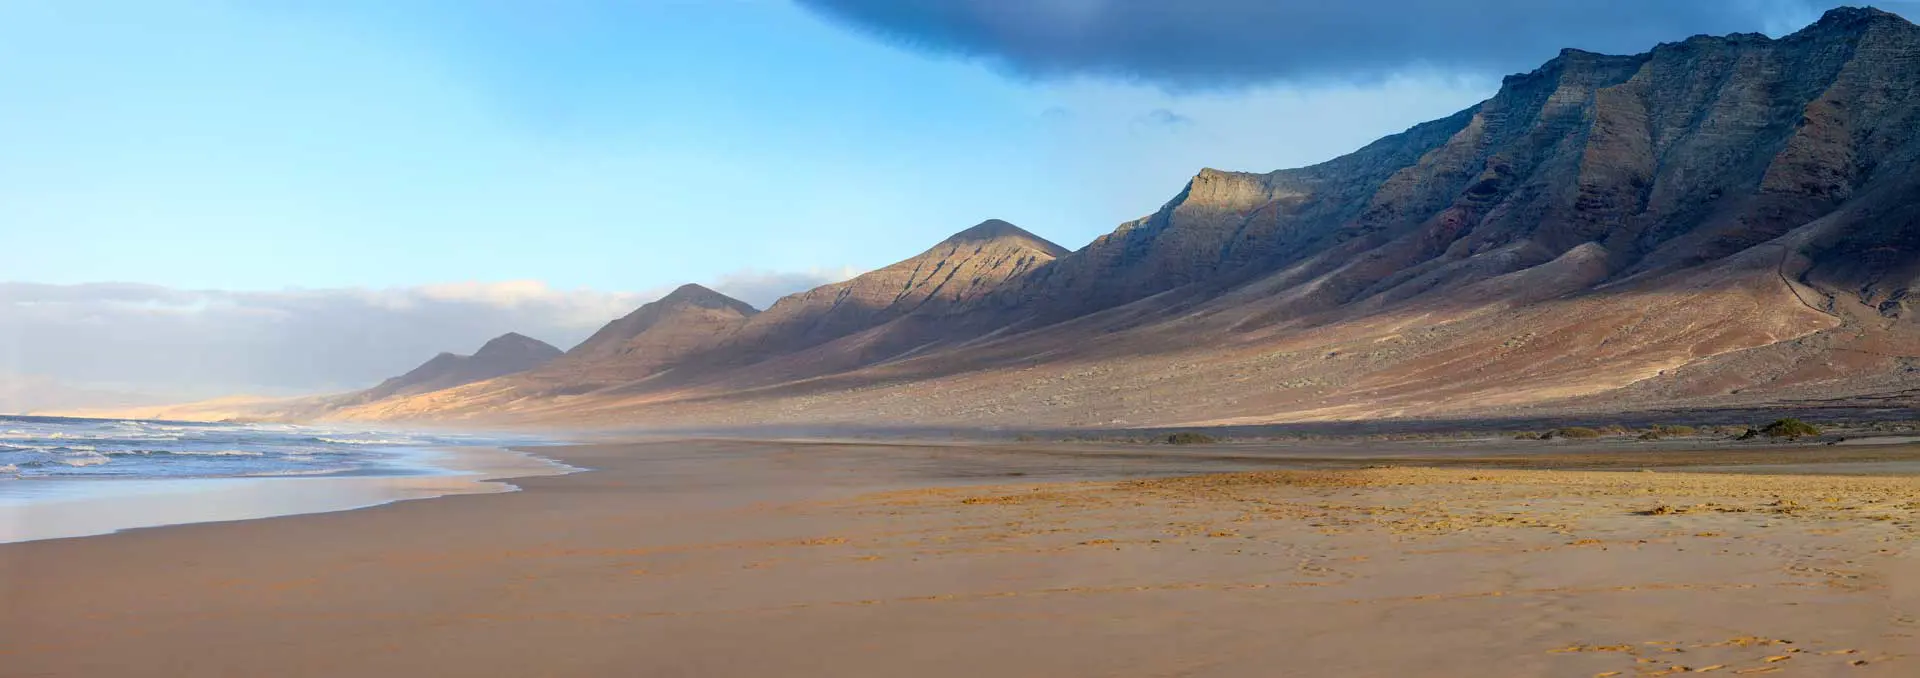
[503,355]
[1721,222]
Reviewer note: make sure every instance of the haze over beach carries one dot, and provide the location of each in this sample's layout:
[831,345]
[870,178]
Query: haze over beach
[1473,338]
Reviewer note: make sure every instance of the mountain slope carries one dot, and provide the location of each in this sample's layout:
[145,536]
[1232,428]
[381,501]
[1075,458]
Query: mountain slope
[663,325]
[656,337]
[1722,221]
[502,355]
[953,276]
[696,334]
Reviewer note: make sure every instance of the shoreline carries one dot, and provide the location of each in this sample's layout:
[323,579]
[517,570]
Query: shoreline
[124,504]
[440,472]
[35,509]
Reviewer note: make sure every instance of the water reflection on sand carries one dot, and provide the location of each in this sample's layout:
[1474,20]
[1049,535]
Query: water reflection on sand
[36,509]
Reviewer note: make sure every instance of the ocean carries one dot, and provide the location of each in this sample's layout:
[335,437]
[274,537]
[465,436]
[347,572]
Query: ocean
[62,477]
[58,447]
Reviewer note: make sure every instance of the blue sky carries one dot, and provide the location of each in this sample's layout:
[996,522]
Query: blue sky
[618,146]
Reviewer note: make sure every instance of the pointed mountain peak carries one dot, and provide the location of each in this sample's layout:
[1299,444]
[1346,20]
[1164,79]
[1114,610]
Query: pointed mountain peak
[692,294]
[515,343]
[506,354]
[668,326]
[691,291]
[995,230]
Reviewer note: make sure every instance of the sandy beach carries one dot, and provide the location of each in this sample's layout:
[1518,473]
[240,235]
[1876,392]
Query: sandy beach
[736,558]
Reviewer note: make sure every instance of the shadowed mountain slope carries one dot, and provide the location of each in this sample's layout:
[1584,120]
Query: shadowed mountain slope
[502,355]
[695,333]
[656,332]
[959,272]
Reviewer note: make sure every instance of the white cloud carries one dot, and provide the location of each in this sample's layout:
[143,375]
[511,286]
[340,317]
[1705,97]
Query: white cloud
[157,338]
[36,394]
[762,288]
[114,339]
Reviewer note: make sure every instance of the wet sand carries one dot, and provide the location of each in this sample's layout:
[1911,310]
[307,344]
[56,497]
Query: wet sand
[724,558]
[51,508]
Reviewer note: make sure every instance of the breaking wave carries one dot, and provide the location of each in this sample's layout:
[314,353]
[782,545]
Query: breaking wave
[32,447]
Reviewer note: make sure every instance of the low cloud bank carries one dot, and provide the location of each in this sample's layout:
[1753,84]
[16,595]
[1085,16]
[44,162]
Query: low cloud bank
[125,338]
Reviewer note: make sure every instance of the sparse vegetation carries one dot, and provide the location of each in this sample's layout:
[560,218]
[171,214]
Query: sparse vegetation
[1574,432]
[1790,428]
[1189,438]
[1664,431]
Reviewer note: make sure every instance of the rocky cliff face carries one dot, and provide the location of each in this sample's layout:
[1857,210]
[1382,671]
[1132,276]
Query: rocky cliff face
[1685,155]
[1720,221]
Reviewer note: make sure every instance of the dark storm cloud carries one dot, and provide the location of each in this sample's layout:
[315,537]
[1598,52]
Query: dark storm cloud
[1224,43]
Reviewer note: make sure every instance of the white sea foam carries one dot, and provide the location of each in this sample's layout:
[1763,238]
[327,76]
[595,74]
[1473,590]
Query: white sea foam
[50,449]
[307,472]
[9,469]
[86,459]
[132,449]
[364,441]
[272,428]
[186,453]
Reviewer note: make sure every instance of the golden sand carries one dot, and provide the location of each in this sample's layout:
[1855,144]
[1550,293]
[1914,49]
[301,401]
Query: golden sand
[740,558]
